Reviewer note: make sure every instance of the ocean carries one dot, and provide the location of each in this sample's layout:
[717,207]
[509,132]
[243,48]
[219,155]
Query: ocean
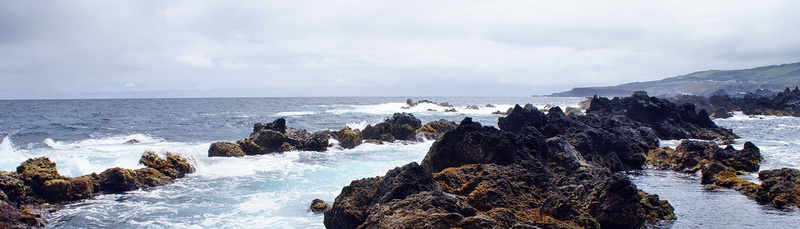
[275,191]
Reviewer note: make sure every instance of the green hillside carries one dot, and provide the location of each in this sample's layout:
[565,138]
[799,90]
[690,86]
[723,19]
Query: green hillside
[775,78]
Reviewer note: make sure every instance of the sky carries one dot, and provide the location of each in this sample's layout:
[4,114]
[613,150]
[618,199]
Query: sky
[156,49]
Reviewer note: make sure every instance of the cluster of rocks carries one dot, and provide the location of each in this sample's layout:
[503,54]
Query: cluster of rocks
[720,168]
[411,103]
[552,170]
[275,137]
[447,107]
[269,138]
[25,194]
[786,103]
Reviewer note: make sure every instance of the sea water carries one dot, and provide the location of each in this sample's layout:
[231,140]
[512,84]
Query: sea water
[275,191]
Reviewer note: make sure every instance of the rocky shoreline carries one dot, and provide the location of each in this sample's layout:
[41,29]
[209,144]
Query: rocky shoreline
[27,194]
[554,170]
[537,169]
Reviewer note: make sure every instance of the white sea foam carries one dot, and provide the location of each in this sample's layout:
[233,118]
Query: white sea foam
[293,113]
[96,155]
[420,109]
[357,125]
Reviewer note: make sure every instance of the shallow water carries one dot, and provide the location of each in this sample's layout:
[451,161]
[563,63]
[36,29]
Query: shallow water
[274,191]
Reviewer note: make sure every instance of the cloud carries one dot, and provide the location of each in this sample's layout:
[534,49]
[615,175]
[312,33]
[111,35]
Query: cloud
[56,49]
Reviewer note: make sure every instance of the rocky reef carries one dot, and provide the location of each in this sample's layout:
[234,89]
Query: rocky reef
[275,137]
[27,193]
[272,137]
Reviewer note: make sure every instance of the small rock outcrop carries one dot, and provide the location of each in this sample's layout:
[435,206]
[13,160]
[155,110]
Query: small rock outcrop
[272,137]
[348,138]
[401,126]
[225,149]
[25,194]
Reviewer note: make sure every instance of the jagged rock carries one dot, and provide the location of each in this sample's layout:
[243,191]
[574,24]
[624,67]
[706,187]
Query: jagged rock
[473,107]
[472,143]
[435,129]
[489,105]
[510,179]
[668,120]
[225,149]
[275,137]
[132,141]
[402,126]
[451,110]
[278,125]
[614,141]
[352,206]
[319,206]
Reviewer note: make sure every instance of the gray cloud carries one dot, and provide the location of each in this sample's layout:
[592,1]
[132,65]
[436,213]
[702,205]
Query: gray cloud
[99,49]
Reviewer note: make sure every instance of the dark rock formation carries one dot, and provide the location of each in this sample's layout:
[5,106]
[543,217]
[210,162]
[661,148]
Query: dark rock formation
[473,143]
[273,137]
[411,103]
[401,126]
[484,177]
[348,138]
[759,102]
[225,149]
[24,194]
[669,121]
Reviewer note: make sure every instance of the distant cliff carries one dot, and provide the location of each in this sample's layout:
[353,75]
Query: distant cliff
[774,78]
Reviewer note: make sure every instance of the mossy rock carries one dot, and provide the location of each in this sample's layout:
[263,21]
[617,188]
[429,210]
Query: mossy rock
[225,149]
[319,206]
[348,138]
[118,180]
[149,177]
[36,171]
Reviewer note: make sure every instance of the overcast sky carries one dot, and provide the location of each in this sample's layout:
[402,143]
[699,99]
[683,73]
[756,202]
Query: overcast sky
[121,49]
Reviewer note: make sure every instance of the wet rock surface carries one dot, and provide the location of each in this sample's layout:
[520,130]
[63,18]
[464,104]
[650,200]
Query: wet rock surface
[27,193]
